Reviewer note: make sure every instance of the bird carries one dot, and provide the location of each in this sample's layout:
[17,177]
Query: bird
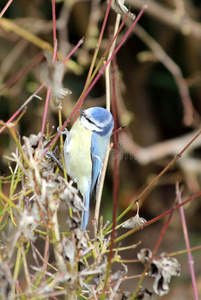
[85,148]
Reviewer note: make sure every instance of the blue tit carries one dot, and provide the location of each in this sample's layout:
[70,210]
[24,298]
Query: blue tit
[84,151]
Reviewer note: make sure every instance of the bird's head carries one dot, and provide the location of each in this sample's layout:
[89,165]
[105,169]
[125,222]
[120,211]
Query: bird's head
[97,119]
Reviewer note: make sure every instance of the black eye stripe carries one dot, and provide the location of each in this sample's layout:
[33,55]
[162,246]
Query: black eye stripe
[89,120]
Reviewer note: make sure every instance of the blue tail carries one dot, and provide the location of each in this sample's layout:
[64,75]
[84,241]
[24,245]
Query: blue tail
[85,214]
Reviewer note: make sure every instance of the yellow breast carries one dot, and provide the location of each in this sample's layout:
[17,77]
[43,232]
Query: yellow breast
[78,156]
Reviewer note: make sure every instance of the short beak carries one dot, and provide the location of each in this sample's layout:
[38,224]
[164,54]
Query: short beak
[81,111]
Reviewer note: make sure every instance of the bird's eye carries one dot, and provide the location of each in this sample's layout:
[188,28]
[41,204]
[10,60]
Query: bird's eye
[89,120]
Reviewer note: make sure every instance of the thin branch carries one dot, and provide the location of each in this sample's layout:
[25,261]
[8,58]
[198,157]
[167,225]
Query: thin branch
[186,236]
[99,194]
[26,270]
[5,8]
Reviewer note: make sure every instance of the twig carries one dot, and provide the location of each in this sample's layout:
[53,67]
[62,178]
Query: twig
[99,194]
[5,8]
[186,237]
[115,173]
[26,270]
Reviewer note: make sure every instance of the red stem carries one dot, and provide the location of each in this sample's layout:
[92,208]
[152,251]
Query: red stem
[5,8]
[185,230]
[116,159]
[74,49]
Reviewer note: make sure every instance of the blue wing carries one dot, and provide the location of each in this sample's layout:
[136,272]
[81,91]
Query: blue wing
[97,160]
[99,146]
[96,171]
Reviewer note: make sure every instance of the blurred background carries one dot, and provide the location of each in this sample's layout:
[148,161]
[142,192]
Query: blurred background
[159,101]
